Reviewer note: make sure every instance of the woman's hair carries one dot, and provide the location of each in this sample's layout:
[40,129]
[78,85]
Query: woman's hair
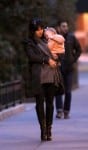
[34,24]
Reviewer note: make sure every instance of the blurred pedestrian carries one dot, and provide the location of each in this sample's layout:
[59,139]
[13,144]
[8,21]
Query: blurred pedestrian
[72,53]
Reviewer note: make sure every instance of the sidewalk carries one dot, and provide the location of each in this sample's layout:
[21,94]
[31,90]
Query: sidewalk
[21,131]
[83,63]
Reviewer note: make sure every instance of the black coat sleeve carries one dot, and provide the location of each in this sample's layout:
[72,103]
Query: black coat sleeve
[77,48]
[34,55]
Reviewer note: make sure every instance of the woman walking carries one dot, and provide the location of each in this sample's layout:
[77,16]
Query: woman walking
[41,76]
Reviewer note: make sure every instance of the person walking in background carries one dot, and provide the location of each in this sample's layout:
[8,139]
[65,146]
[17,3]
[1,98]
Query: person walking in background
[72,53]
[41,76]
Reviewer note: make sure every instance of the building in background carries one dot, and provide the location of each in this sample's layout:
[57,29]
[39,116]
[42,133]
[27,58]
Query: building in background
[82,23]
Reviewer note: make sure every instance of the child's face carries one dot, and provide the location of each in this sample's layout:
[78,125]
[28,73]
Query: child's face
[48,34]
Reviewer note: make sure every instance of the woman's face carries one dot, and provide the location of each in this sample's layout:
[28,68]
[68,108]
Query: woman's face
[39,32]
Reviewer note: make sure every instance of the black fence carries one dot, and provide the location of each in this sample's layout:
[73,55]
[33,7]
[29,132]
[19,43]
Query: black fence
[10,94]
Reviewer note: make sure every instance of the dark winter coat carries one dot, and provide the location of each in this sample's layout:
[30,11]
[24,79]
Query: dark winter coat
[37,59]
[72,52]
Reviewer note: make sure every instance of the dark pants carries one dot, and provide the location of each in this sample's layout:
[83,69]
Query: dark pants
[66,104]
[45,114]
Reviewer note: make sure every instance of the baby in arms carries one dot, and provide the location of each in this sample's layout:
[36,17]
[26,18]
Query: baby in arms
[55,41]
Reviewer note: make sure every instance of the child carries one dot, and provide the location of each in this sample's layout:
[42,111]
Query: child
[55,41]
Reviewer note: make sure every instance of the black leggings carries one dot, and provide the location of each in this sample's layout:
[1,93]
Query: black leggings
[47,96]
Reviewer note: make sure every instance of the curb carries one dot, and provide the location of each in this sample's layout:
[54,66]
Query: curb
[11,111]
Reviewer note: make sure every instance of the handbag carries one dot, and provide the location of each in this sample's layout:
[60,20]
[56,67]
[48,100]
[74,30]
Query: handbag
[59,83]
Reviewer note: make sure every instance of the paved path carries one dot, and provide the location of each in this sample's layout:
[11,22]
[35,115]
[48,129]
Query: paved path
[83,63]
[21,131]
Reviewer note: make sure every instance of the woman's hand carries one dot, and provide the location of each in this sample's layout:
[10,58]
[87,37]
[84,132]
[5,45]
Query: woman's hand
[55,56]
[52,63]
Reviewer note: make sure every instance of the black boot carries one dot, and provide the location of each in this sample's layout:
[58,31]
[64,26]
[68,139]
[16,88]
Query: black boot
[43,133]
[49,134]
[49,120]
[42,122]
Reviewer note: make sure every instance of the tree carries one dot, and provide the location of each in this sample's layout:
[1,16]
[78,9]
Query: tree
[66,10]
[14,19]
[7,55]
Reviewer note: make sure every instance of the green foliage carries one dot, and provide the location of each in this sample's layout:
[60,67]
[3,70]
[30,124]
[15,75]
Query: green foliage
[7,55]
[66,10]
[14,18]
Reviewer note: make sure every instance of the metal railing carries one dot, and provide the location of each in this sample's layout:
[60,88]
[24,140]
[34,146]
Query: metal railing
[10,94]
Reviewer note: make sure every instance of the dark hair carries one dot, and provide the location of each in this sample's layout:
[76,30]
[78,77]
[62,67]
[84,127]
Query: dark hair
[35,23]
[61,21]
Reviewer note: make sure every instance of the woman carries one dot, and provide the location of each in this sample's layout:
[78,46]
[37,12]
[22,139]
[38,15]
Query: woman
[41,77]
